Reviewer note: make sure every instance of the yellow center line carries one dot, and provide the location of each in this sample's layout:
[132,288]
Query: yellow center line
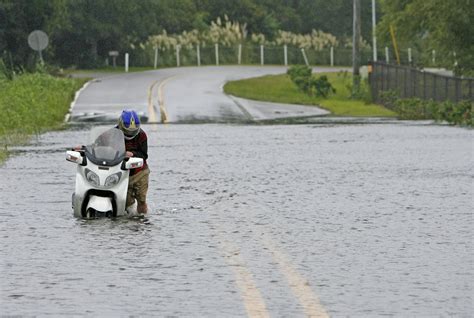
[151,108]
[299,285]
[253,301]
[161,100]
[161,103]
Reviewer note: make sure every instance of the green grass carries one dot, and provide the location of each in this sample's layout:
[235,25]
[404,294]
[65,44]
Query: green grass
[280,89]
[32,104]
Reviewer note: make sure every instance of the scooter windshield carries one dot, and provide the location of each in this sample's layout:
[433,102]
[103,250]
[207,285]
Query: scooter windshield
[107,148]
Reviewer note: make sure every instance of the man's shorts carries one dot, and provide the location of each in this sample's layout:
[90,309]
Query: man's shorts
[138,187]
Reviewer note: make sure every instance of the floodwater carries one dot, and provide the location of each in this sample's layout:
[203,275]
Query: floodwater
[377,220]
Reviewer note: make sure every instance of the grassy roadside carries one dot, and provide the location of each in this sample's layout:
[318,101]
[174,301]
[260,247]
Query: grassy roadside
[109,69]
[32,104]
[280,89]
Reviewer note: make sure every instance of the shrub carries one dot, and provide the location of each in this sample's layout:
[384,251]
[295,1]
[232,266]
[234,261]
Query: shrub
[320,86]
[389,98]
[299,71]
[308,83]
[415,108]
[454,113]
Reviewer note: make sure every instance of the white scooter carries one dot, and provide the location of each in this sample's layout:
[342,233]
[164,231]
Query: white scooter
[102,176]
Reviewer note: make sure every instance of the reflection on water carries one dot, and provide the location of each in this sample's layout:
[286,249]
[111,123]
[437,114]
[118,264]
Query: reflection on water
[377,218]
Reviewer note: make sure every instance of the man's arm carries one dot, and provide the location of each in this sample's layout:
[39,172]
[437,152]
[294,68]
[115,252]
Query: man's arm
[142,151]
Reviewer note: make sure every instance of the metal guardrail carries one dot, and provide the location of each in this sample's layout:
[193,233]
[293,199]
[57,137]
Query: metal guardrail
[409,82]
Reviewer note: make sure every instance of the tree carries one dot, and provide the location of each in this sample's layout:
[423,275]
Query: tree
[18,19]
[444,26]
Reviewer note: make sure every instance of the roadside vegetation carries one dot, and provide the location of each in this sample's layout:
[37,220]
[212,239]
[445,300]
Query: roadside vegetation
[337,85]
[31,104]
[415,108]
[107,69]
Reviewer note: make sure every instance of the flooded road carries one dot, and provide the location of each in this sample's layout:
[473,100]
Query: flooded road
[282,221]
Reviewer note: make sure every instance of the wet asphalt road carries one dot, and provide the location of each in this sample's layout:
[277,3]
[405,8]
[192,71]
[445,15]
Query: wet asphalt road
[362,220]
[190,94]
[340,220]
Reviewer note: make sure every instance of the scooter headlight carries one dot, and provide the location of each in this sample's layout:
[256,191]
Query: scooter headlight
[92,177]
[113,179]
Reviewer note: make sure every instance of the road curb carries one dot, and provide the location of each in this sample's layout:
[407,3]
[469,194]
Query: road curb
[241,107]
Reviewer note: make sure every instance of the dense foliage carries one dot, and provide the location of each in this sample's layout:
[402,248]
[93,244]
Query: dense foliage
[415,108]
[426,25]
[82,32]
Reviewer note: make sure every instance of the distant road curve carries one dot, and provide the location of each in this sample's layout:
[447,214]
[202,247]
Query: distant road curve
[186,94]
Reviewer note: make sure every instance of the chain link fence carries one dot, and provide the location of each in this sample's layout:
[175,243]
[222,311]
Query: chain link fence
[246,54]
[252,54]
[408,82]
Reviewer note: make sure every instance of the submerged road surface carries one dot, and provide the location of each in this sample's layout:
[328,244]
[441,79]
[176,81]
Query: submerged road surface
[314,220]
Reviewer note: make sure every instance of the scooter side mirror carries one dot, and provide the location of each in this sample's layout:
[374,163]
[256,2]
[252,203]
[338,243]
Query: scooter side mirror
[133,163]
[74,156]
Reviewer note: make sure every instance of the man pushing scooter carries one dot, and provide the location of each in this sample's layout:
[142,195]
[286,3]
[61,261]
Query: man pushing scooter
[136,145]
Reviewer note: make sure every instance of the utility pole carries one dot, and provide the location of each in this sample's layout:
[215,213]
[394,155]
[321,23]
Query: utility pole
[374,36]
[355,48]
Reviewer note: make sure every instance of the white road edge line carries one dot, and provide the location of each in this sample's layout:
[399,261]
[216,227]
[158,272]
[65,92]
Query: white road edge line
[239,105]
[76,97]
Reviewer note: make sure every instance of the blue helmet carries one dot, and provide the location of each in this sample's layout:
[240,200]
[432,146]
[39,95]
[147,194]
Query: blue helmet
[129,123]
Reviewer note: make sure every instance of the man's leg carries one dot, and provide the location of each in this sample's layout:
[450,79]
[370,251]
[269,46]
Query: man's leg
[130,197]
[141,188]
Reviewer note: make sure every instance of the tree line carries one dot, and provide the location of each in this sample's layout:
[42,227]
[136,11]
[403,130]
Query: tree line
[82,32]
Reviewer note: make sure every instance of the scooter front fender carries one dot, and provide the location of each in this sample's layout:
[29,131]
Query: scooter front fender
[101,204]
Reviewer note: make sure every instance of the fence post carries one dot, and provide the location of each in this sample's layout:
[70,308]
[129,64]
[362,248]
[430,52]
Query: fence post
[332,55]
[396,77]
[424,84]
[239,55]
[373,81]
[405,82]
[446,88]
[458,83]
[433,58]
[387,70]
[126,62]
[285,53]
[155,64]
[382,77]
[415,82]
[409,56]
[262,55]
[178,62]
[387,58]
[471,82]
[217,53]
[305,58]
[198,52]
